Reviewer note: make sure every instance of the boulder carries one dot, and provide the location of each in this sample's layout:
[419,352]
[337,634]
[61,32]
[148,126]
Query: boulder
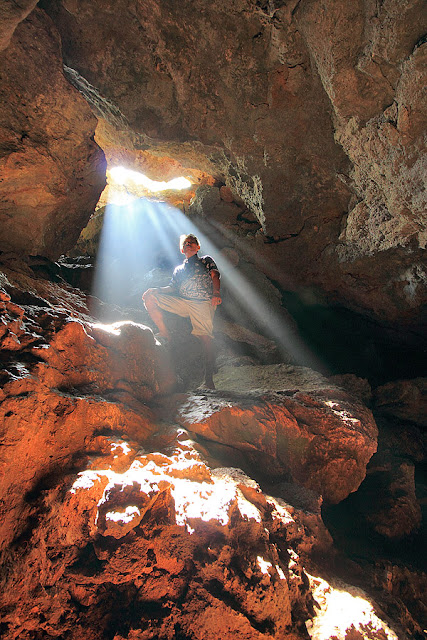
[120,357]
[320,438]
[157,544]
[404,399]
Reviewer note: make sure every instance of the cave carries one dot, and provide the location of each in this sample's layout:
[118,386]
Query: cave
[289,501]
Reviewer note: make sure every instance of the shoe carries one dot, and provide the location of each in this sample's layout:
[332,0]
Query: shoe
[205,387]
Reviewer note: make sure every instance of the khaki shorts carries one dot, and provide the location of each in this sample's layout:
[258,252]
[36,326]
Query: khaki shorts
[200,312]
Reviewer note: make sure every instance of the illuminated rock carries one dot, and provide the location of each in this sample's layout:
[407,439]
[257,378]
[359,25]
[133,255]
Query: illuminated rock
[199,553]
[121,358]
[59,378]
[114,524]
[320,437]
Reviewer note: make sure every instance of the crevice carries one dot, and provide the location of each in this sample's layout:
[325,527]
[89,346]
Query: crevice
[216,589]
[421,41]
[104,107]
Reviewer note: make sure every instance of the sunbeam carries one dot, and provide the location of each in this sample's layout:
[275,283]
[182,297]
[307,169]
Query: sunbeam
[144,236]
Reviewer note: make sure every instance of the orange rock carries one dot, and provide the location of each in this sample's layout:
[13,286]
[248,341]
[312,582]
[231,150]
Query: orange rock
[323,439]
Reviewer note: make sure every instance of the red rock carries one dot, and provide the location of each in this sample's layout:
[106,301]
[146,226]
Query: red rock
[123,356]
[112,522]
[208,566]
[43,430]
[322,439]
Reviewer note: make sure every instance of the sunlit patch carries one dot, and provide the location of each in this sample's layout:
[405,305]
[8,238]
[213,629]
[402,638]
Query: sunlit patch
[344,613]
[293,559]
[108,328]
[263,564]
[123,446]
[122,176]
[205,498]
[266,567]
[202,501]
[247,509]
[280,572]
[125,516]
[341,413]
[87,479]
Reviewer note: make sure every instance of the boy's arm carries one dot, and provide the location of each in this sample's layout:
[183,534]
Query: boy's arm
[216,296]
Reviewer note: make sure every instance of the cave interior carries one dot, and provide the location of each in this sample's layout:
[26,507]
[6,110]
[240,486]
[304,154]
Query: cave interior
[290,501]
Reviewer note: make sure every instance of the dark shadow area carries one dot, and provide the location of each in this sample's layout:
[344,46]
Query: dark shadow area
[352,343]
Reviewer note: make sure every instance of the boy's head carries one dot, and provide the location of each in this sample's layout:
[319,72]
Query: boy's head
[189,240]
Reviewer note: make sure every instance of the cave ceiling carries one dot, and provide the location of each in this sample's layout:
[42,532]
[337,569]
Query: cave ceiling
[312,113]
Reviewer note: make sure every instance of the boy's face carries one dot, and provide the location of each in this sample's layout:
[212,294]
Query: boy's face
[190,247]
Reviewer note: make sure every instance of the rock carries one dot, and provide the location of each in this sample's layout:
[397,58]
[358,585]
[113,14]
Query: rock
[231,255]
[52,170]
[404,399]
[273,377]
[388,498]
[404,585]
[359,387]
[261,345]
[113,523]
[207,198]
[121,356]
[322,439]
[198,551]
[226,194]
[11,15]
[345,611]
[64,381]
[391,504]
[44,431]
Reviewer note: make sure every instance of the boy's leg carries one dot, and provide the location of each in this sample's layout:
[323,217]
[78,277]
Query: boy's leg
[201,316]
[156,315]
[208,357]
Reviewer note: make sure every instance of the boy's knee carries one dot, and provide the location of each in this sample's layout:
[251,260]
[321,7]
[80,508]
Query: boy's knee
[149,300]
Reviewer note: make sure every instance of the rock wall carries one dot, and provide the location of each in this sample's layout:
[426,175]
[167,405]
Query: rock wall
[52,172]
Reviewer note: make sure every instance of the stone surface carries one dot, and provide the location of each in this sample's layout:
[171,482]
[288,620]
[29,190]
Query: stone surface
[374,83]
[388,498]
[158,546]
[11,14]
[319,438]
[52,172]
[64,380]
[149,545]
[404,399]
[115,523]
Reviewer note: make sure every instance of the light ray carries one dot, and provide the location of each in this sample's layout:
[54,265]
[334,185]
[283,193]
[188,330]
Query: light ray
[144,235]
